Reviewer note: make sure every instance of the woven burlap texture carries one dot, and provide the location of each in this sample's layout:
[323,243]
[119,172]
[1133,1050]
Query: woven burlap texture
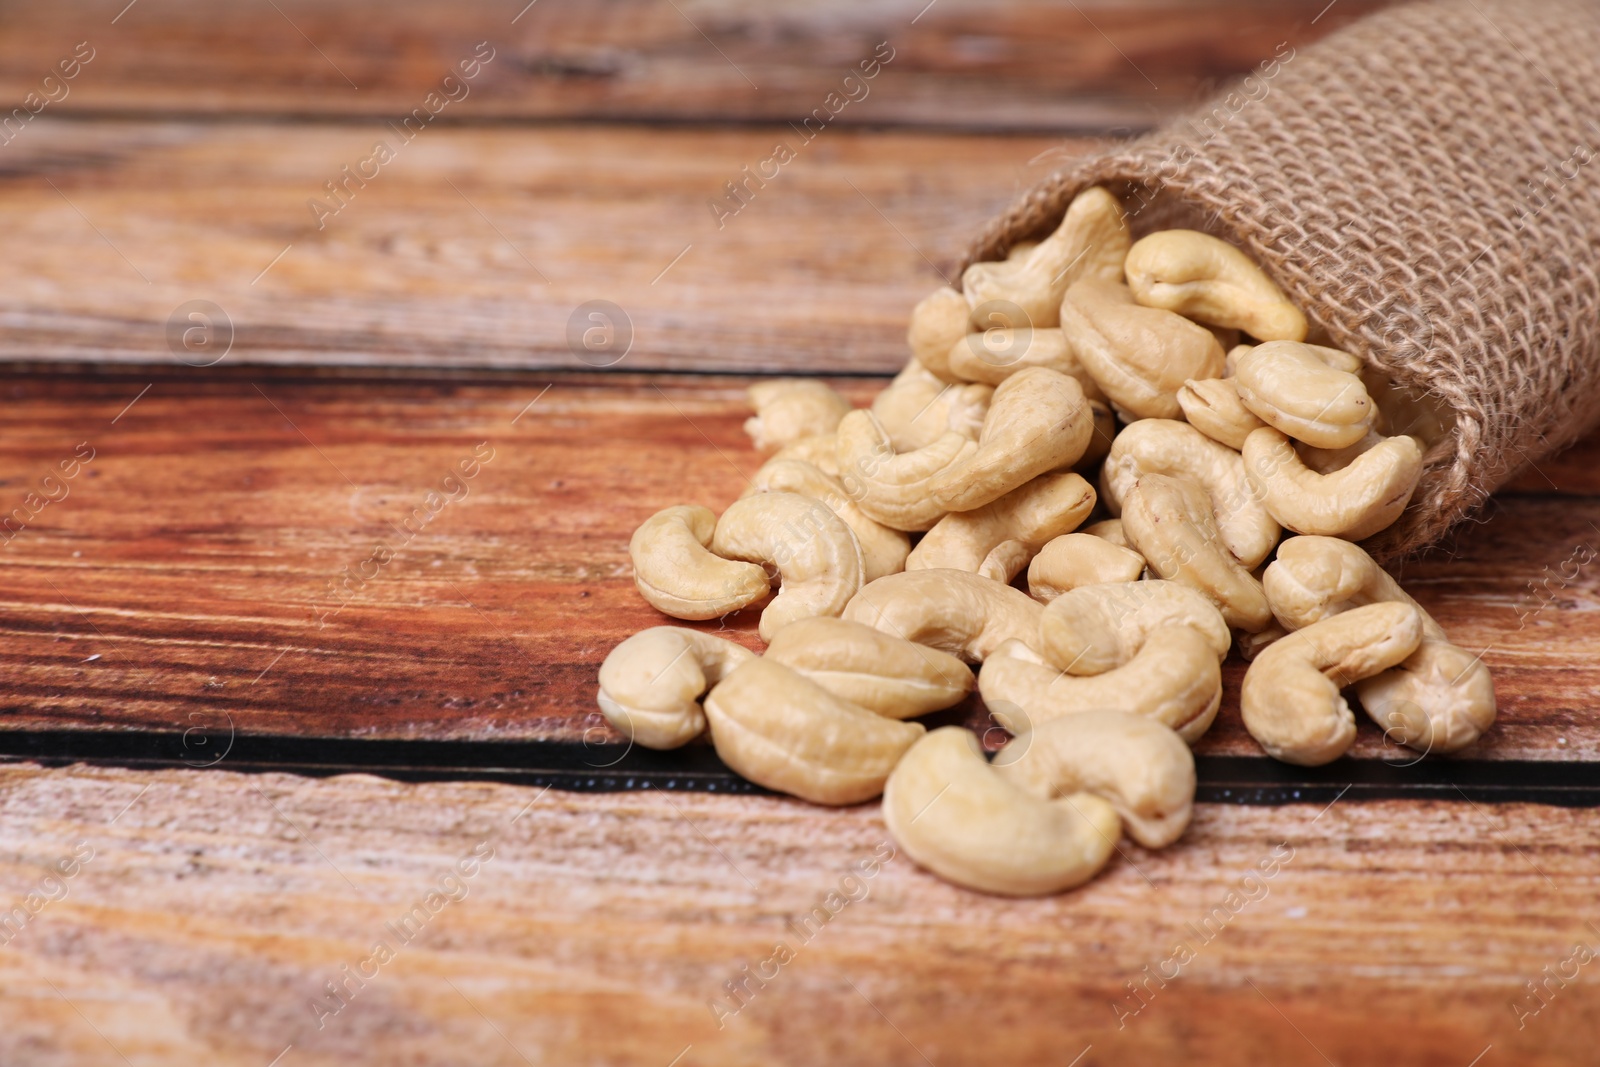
[1425,184]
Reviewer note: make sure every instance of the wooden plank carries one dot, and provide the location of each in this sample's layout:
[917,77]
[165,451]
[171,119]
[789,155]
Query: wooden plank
[1019,64]
[216,907]
[182,580]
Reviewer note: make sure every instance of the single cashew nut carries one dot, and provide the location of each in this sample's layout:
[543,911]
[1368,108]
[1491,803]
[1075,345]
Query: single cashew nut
[1139,766]
[816,554]
[1290,699]
[1162,446]
[651,684]
[783,731]
[1108,530]
[1169,521]
[917,408]
[1289,387]
[957,816]
[792,409]
[1094,628]
[821,451]
[1203,278]
[992,356]
[1076,559]
[1139,356]
[885,674]
[998,539]
[937,322]
[896,488]
[674,569]
[883,549]
[1213,407]
[1175,678]
[1038,421]
[955,611]
[1356,502]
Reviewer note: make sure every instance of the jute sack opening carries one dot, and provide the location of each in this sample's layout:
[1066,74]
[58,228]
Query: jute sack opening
[1425,185]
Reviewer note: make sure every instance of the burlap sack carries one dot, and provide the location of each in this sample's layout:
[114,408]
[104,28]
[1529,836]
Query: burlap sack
[1425,185]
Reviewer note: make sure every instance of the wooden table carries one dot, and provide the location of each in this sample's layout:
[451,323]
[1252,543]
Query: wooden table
[169,617]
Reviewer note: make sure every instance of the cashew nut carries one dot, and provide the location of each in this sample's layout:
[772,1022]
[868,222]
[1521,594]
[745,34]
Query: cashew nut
[956,611]
[992,356]
[1105,431]
[781,730]
[1353,503]
[885,674]
[957,816]
[895,488]
[821,451]
[1290,387]
[1174,678]
[1076,559]
[998,539]
[1290,699]
[651,684]
[1094,628]
[1162,446]
[674,569]
[937,322]
[1038,421]
[791,409]
[1169,521]
[1139,356]
[1091,242]
[1213,407]
[883,550]
[1200,277]
[917,408]
[1108,530]
[816,555]
[1139,766]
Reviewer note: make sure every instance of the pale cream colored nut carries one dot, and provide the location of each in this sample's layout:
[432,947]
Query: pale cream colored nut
[1139,356]
[783,731]
[1169,521]
[1108,530]
[917,408]
[895,488]
[1203,278]
[1094,628]
[816,555]
[1076,559]
[885,674]
[1212,406]
[998,539]
[1439,699]
[1140,767]
[1289,387]
[1163,446]
[955,611]
[1250,645]
[677,572]
[992,356]
[651,684]
[792,409]
[883,549]
[1099,447]
[1355,502]
[1175,678]
[1091,242]
[1330,460]
[937,322]
[1290,699]
[1231,362]
[821,451]
[1020,249]
[1038,421]
[957,816]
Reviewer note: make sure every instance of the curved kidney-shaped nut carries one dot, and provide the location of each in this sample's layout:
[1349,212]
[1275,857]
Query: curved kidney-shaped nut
[937,322]
[816,554]
[651,684]
[1091,242]
[675,570]
[883,549]
[1139,356]
[1212,406]
[1175,678]
[957,816]
[1162,446]
[1038,421]
[917,408]
[992,356]
[1076,559]
[792,409]
[1290,699]
[1169,521]
[1018,524]
[781,730]
[1108,530]
[1136,764]
[1290,387]
[955,611]
[895,488]
[885,674]
[1203,278]
[1094,628]
[1356,502]
[821,451]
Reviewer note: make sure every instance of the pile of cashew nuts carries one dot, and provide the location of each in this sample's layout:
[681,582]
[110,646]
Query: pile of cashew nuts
[899,535]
